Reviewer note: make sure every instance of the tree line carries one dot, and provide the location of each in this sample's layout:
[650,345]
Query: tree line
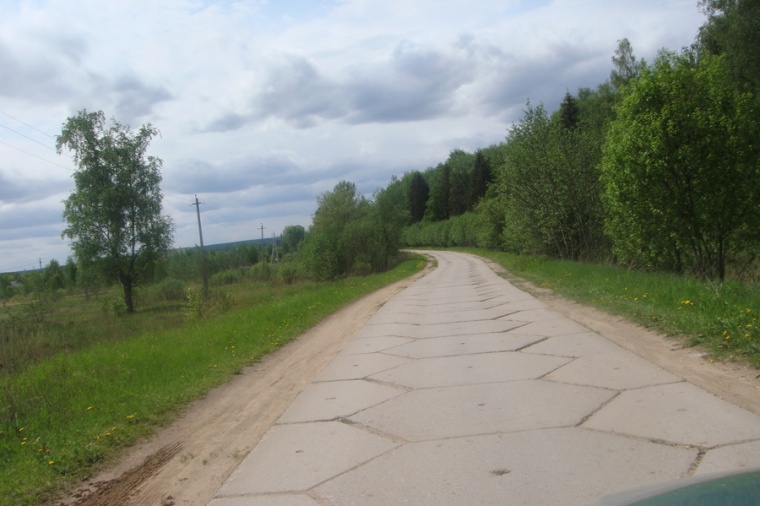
[657,168]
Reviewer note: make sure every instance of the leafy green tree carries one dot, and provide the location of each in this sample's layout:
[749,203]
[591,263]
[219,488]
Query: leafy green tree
[682,167]
[550,187]
[569,112]
[329,252]
[626,67]
[419,193]
[292,237]
[114,214]
[389,216]
[440,189]
[481,179]
[733,29]
[53,277]
[70,270]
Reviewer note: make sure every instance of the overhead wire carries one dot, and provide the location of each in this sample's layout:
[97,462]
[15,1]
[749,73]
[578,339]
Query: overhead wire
[38,157]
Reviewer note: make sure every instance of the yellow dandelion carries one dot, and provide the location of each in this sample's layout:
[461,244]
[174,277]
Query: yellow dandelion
[89,408]
[129,417]
[51,462]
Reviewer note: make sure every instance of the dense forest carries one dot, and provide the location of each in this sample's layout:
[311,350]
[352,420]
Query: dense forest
[656,168]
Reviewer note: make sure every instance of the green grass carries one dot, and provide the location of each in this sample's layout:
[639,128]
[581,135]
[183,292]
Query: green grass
[62,415]
[720,317]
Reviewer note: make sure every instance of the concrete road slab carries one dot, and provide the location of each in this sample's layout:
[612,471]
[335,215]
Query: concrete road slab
[620,370]
[465,328]
[553,467]
[730,458]
[373,345]
[533,315]
[439,413]
[679,413]
[457,345]
[347,367]
[463,389]
[551,328]
[470,369]
[333,400]
[295,458]
[266,500]
[575,345]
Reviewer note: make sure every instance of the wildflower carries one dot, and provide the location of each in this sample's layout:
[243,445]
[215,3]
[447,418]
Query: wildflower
[635,299]
[21,429]
[687,302]
[51,462]
[129,417]
[89,408]
[748,326]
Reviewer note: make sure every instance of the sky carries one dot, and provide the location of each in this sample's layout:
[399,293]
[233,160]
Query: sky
[263,105]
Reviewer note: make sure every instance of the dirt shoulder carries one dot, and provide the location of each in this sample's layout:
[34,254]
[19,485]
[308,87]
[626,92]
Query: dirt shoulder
[186,462]
[734,382]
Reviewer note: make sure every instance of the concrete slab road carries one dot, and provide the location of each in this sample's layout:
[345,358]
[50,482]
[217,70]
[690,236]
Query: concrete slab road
[463,389]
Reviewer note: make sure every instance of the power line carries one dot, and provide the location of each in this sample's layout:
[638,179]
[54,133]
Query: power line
[38,157]
[27,124]
[27,137]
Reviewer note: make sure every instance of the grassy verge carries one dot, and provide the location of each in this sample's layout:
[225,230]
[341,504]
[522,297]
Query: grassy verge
[720,317]
[62,415]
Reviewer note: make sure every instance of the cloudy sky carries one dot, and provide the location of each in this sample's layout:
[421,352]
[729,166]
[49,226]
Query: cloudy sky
[265,104]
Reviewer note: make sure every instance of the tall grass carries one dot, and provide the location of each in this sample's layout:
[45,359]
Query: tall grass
[722,317]
[61,415]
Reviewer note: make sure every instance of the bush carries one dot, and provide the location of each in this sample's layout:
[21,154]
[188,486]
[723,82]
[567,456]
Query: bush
[229,277]
[170,289]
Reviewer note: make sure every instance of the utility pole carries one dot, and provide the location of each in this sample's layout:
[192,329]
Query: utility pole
[262,231]
[204,270]
[275,257]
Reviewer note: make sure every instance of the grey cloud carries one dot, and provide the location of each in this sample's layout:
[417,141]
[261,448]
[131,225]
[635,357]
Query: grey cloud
[414,83]
[544,79]
[33,80]
[418,84]
[298,93]
[226,123]
[137,98]
[24,190]
[199,176]
[24,221]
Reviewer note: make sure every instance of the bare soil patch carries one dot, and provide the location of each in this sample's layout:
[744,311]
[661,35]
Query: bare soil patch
[186,462]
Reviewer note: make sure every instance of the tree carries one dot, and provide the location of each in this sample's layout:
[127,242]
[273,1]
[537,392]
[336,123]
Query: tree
[292,236]
[481,179]
[419,192]
[626,68]
[681,167]
[569,112]
[733,29]
[114,214]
